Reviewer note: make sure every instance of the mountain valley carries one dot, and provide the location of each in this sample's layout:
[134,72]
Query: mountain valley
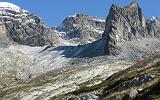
[84,58]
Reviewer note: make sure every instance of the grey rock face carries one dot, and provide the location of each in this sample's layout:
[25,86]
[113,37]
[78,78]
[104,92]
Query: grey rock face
[24,28]
[124,24]
[128,24]
[4,40]
[153,27]
[83,28]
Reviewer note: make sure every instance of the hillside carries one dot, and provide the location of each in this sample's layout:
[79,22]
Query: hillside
[84,58]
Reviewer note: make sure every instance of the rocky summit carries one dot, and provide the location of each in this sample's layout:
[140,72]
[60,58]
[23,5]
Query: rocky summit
[82,28]
[128,24]
[83,58]
[18,26]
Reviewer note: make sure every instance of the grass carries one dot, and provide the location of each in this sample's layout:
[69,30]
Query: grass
[111,83]
[125,77]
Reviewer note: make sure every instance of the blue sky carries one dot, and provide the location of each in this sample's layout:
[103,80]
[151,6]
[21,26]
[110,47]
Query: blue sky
[54,11]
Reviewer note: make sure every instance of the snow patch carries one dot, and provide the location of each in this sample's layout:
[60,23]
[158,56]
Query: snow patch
[10,6]
[153,18]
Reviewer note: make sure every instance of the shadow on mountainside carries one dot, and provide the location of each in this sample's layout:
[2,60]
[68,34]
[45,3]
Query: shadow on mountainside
[90,50]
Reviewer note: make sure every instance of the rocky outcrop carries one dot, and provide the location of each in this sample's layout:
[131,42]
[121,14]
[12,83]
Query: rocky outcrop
[22,27]
[138,82]
[124,24]
[153,26]
[127,24]
[82,28]
[4,40]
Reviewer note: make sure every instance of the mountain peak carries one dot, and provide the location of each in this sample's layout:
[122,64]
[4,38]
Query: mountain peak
[134,4]
[10,6]
[124,24]
[21,27]
[76,25]
[154,18]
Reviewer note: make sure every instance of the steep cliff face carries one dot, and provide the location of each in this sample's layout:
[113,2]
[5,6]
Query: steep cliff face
[124,24]
[82,28]
[22,27]
[3,36]
[154,27]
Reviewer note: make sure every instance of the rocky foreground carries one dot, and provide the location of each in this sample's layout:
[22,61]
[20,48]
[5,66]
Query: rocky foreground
[141,81]
[84,58]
